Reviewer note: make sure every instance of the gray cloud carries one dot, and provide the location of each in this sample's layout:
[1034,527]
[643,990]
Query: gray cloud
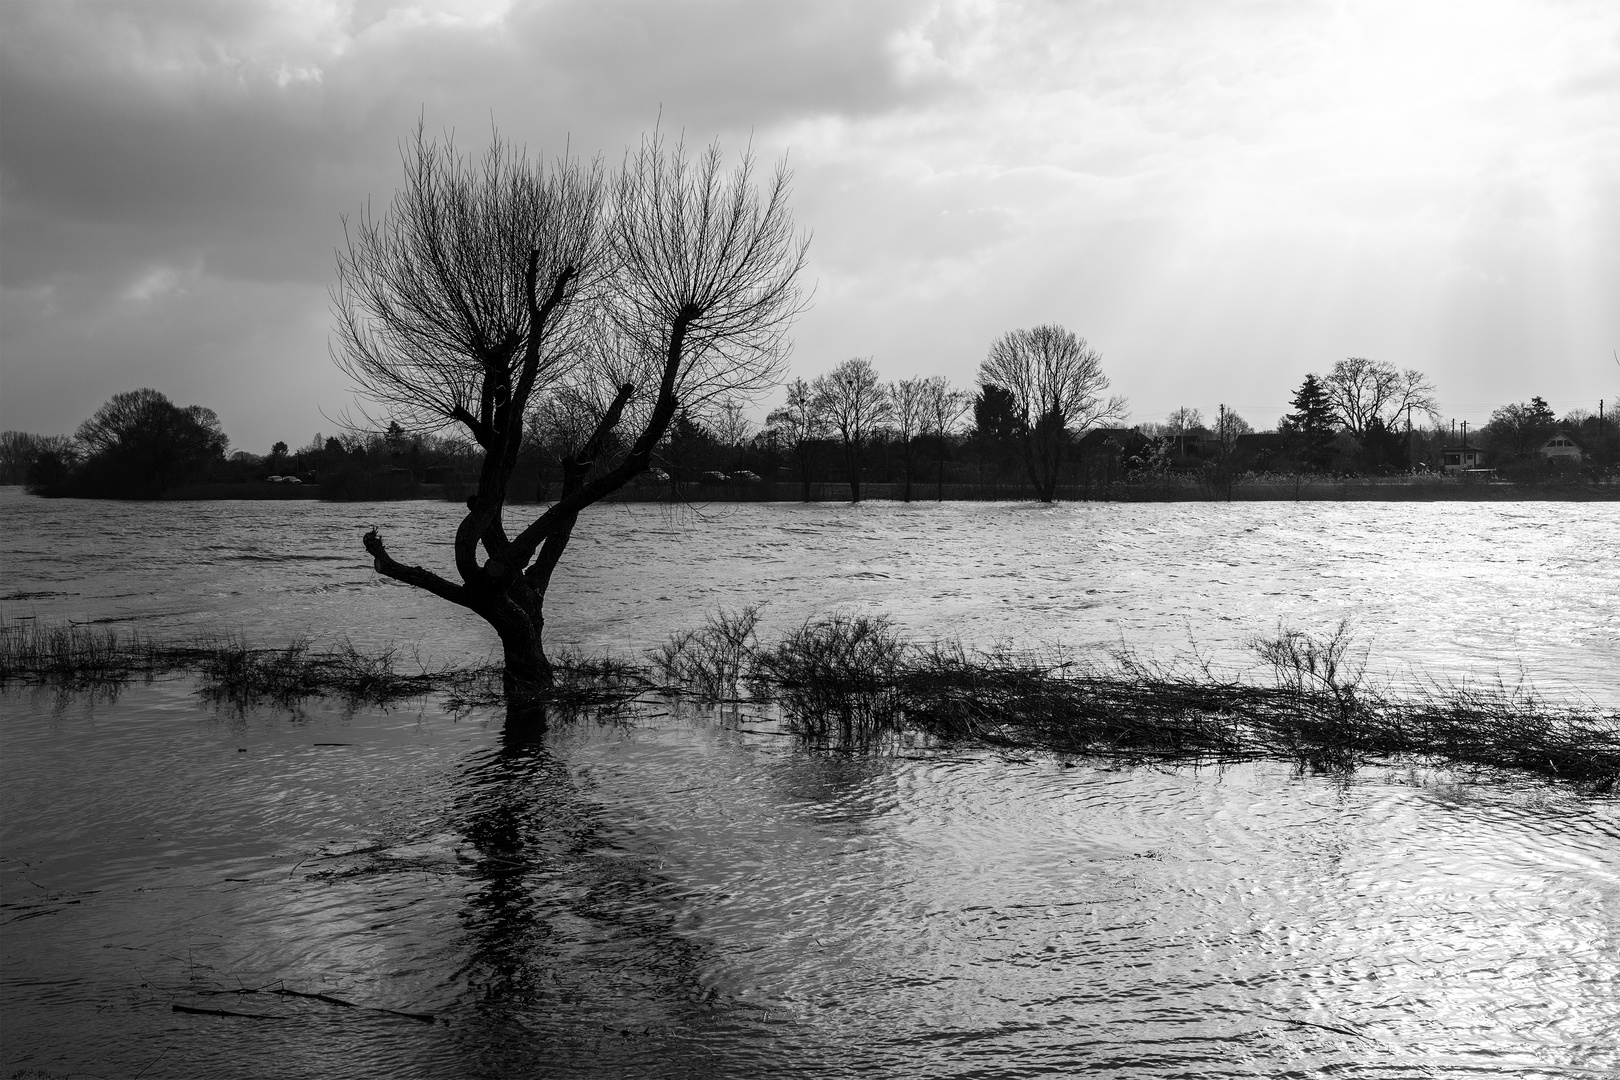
[1221,195]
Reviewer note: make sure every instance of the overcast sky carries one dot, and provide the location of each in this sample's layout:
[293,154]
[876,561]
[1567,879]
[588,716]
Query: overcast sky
[1220,196]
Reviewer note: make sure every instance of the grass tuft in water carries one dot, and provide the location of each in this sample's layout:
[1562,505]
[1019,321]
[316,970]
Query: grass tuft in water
[229,671]
[850,681]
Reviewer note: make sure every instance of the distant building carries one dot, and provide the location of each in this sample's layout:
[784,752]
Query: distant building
[1561,448]
[1462,458]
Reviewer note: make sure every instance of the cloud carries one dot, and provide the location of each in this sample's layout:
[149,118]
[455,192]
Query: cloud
[1222,196]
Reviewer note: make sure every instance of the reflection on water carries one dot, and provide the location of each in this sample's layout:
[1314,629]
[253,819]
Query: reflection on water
[677,895]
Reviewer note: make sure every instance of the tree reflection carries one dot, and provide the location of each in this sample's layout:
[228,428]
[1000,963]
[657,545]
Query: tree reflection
[571,959]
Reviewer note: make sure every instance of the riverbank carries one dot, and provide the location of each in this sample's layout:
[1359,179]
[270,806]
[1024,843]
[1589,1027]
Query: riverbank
[1303,489]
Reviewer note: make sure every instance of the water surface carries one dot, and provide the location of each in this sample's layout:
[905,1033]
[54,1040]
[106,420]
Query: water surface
[1447,590]
[693,894]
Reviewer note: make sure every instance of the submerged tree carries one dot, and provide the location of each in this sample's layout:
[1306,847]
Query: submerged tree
[856,405]
[1056,382]
[490,286]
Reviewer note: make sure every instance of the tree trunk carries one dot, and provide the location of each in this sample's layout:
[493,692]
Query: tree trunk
[529,672]
[853,459]
[906,454]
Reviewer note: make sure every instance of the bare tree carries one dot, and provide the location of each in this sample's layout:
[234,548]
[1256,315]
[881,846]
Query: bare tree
[856,405]
[731,425]
[1184,419]
[1362,392]
[910,404]
[800,425]
[490,286]
[20,450]
[1228,427]
[143,442]
[1056,381]
[942,411]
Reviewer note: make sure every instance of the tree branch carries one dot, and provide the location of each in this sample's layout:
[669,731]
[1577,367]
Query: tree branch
[412,575]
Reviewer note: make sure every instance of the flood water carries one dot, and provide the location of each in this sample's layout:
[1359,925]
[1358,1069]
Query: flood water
[688,893]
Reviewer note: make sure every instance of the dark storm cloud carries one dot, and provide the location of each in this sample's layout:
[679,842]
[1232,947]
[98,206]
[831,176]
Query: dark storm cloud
[153,152]
[153,132]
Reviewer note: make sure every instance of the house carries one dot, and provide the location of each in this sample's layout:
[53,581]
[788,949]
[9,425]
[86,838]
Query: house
[1561,448]
[1462,458]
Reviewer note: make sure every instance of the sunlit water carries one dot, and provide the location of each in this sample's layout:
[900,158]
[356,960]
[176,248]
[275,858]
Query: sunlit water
[696,895]
[1444,590]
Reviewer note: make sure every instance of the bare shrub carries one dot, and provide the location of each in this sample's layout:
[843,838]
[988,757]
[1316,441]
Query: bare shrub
[713,660]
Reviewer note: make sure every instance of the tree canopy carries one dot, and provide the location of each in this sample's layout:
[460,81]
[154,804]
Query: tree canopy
[1360,391]
[1056,383]
[141,444]
[500,292]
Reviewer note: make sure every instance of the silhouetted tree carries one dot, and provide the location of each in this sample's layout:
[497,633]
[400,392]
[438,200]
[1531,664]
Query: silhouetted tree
[1181,423]
[1361,391]
[856,406]
[1228,427]
[942,410]
[910,401]
[1518,430]
[140,444]
[731,428]
[1310,426]
[21,453]
[1056,382]
[486,284]
[800,425]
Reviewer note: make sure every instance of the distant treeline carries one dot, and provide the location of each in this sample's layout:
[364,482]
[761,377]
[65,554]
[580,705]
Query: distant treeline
[912,439]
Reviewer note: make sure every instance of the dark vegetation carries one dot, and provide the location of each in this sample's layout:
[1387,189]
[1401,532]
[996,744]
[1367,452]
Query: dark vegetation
[797,457]
[500,295]
[850,683]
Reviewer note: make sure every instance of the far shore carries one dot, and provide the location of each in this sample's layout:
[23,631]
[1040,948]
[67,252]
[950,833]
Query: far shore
[1352,489]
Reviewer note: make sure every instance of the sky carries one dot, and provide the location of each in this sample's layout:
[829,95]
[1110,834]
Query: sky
[1220,196]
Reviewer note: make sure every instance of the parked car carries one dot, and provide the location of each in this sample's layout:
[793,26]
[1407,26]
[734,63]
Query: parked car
[714,478]
[745,477]
[659,475]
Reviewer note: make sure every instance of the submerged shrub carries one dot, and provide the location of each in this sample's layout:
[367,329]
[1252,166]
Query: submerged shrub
[713,660]
[849,681]
[841,672]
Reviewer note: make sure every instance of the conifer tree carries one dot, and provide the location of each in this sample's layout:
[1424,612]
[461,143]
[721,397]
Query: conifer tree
[1311,424]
